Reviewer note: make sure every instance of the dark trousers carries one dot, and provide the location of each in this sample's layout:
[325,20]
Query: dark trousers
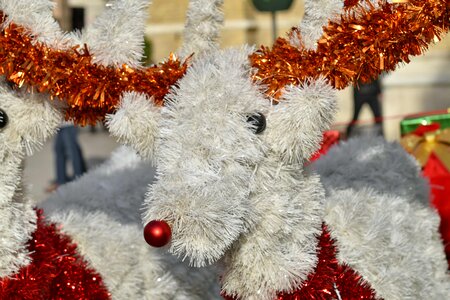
[375,106]
[67,148]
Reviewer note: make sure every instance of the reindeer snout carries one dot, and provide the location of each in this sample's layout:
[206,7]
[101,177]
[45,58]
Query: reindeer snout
[157,233]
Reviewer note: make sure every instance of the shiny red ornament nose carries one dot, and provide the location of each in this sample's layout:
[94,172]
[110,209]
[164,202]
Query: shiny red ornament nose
[157,233]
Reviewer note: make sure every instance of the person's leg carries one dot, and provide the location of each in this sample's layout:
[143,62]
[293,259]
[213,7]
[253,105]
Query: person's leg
[357,104]
[375,106]
[60,157]
[74,151]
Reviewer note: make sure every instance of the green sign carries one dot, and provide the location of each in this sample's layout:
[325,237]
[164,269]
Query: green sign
[272,5]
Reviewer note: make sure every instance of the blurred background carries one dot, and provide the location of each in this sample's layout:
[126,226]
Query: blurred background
[422,86]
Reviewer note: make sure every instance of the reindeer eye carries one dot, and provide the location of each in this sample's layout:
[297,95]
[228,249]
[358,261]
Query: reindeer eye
[258,122]
[3,119]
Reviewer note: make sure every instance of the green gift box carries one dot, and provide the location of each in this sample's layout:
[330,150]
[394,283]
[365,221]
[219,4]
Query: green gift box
[410,123]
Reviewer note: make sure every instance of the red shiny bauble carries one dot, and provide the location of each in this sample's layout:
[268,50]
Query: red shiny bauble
[157,233]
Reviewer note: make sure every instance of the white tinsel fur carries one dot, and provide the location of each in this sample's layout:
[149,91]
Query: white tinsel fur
[317,14]
[30,122]
[128,266]
[100,211]
[202,30]
[116,37]
[243,198]
[394,243]
[136,123]
[217,186]
[232,195]
[136,119]
[371,162]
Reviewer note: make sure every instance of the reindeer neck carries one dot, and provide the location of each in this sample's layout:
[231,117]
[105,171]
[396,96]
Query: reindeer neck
[17,217]
[280,246]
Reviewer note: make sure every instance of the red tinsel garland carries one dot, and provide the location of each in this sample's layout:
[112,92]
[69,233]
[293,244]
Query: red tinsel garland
[56,272]
[330,280]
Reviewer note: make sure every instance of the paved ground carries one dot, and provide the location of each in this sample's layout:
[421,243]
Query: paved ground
[39,168]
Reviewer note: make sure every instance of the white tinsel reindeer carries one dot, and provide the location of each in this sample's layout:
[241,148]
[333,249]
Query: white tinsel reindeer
[231,182]
[232,186]
[75,252]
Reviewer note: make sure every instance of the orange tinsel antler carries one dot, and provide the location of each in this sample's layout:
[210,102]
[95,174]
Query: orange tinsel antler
[366,42]
[90,90]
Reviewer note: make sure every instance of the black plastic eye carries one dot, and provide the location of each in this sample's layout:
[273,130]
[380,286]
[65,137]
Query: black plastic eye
[3,119]
[258,122]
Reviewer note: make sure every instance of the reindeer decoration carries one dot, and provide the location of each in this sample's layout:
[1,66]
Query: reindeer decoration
[230,164]
[78,251]
[231,182]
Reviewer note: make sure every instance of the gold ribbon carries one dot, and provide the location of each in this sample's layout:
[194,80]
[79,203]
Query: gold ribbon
[421,147]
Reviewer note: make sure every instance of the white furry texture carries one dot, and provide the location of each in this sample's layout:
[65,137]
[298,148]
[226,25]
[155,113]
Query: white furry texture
[117,188]
[279,251]
[231,194]
[216,181]
[372,162]
[203,170]
[317,14]
[30,122]
[136,123]
[130,268]
[107,200]
[37,17]
[303,114]
[117,36]
[392,242]
[203,23]
[117,252]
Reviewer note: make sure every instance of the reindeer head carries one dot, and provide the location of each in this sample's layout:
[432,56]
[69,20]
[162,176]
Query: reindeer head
[212,139]
[216,130]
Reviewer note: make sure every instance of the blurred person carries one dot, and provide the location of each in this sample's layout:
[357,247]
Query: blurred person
[67,148]
[367,93]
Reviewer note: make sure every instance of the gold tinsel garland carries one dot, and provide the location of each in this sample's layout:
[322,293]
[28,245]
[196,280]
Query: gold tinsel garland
[90,90]
[364,43]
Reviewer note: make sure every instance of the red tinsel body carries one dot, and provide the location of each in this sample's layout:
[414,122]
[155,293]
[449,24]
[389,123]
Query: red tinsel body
[330,279]
[57,272]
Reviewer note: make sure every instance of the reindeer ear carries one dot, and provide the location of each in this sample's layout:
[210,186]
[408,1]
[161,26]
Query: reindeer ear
[136,123]
[296,124]
[32,119]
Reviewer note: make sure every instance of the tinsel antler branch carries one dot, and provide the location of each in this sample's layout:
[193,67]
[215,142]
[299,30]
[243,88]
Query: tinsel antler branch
[91,90]
[367,40]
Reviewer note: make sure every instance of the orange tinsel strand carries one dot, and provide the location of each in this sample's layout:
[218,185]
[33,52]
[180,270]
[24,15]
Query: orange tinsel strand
[366,42]
[90,91]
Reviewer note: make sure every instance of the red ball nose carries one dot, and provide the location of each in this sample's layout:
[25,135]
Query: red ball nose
[157,233]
